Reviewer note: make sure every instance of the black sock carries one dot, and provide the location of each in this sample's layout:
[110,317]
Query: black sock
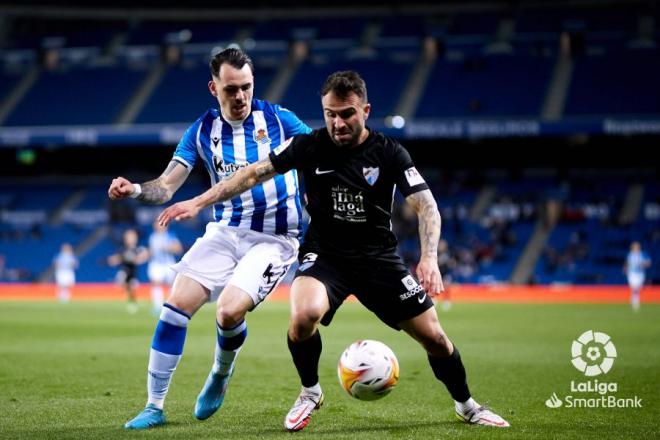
[306,355]
[450,371]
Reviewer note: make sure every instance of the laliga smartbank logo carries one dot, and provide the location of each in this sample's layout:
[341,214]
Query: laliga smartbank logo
[593,353]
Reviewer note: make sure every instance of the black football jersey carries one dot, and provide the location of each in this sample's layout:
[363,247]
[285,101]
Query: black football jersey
[129,256]
[350,190]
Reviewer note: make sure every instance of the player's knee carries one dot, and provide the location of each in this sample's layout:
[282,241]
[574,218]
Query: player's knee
[229,316]
[437,344]
[306,316]
[303,323]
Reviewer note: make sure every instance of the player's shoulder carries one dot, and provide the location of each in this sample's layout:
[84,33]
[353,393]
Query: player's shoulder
[267,106]
[316,137]
[207,117]
[302,143]
[387,140]
[211,113]
[386,144]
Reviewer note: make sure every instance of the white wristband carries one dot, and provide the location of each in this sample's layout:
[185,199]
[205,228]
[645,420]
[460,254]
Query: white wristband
[137,190]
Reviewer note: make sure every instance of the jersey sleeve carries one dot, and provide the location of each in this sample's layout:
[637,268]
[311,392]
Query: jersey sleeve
[186,151]
[293,153]
[406,176]
[291,124]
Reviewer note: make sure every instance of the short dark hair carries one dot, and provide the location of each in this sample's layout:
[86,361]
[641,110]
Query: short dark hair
[343,83]
[232,56]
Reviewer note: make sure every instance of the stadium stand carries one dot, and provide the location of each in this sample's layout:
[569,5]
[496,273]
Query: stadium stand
[78,90]
[496,64]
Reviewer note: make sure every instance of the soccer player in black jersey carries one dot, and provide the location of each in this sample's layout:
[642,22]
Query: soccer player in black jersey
[350,174]
[129,257]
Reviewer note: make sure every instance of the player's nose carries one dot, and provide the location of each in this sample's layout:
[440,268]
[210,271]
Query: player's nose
[240,96]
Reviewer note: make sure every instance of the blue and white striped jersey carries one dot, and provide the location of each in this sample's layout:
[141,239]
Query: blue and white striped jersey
[224,147]
[636,263]
[65,261]
[159,245]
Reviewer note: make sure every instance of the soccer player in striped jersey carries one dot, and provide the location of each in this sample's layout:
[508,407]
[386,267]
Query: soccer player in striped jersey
[245,252]
[635,267]
[65,264]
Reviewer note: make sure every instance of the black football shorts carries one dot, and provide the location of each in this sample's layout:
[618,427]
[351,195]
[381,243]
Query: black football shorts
[384,286]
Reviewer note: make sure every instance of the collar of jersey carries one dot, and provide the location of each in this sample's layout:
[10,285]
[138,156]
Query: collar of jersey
[234,124]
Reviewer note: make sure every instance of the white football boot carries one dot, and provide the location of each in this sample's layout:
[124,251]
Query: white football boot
[301,411]
[482,415]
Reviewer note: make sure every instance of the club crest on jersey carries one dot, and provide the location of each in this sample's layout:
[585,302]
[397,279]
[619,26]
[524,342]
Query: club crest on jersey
[261,136]
[371,174]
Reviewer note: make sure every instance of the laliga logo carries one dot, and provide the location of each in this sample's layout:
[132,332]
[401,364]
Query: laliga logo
[593,353]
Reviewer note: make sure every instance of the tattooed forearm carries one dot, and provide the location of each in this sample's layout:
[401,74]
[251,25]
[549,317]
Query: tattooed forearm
[264,170]
[429,221]
[161,190]
[154,192]
[241,181]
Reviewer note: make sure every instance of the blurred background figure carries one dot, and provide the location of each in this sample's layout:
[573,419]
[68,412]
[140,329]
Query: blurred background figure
[163,246]
[446,264]
[129,257]
[635,268]
[65,263]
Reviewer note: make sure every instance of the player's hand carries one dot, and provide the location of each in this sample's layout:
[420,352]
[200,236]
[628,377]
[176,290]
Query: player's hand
[429,275]
[179,211]
[120,188]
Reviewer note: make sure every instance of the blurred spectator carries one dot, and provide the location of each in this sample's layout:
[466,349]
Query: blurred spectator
[446,264]
[635,268]
[65,263]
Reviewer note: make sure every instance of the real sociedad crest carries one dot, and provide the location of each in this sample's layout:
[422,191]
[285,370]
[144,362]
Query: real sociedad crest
[371,174]
[261,136]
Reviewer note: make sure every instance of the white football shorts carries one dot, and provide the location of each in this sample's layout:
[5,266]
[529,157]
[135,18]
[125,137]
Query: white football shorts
[635,280]
[65,278]
[252,261]
[160,273]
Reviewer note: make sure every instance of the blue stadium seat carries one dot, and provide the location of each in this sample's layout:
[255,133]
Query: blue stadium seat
[8,80]
[486,86]
[91,95]
[385,79]
[181,96]
[604,84]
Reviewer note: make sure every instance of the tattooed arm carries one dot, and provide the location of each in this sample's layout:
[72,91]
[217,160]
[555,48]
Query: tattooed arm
[424,205]
[241,181]
[153,192]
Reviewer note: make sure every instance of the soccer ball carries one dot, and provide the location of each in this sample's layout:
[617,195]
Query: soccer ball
[368,370]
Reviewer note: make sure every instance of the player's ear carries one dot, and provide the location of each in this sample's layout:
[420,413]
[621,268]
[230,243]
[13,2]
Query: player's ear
[367,109]
[212,88]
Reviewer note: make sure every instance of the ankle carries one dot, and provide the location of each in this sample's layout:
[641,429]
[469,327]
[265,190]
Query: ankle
[314,389]
[467,406]
[158,403]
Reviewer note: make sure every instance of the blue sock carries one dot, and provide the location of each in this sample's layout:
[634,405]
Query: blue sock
[229,343]
[166,349]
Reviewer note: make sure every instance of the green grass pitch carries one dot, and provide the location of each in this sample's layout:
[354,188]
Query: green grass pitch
[79,371]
